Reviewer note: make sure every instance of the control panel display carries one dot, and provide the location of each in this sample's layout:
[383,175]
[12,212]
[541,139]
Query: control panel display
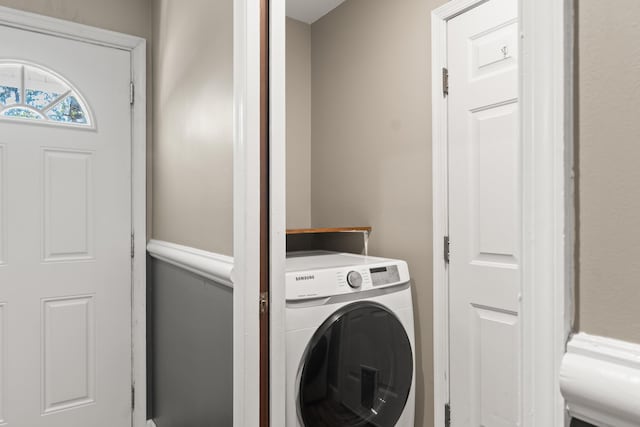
[384,275]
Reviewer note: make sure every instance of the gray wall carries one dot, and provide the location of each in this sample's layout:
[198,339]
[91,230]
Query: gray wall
[192,319]
[191,349]
[609,168]
[371,143]
[193,123]
[298,71]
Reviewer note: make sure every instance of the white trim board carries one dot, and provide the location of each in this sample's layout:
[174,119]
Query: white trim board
[600,380]
[67,29]
[277,204]
[545,67]
[137,48]
[246,206]
[546,85]
[215,267]
[440,203]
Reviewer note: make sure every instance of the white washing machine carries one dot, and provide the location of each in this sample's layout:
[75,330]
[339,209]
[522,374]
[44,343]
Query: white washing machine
[350,341]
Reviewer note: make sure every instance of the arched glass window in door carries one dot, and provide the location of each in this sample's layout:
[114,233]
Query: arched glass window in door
[32,92]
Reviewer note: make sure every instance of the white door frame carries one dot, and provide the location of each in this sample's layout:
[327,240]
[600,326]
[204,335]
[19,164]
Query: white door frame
[137,48]
[277,142]
[246,294]
[546,123]
[246,217]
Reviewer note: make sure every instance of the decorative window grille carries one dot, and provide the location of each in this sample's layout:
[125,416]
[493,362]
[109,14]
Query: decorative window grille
[32,92]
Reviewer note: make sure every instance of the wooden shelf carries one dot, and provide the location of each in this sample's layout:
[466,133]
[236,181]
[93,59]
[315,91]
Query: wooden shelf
[329,230]
[364,230]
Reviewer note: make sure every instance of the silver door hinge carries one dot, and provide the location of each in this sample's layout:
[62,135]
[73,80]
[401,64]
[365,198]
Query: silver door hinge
[132,93]
[445,81]
[264,302]
[133,245]
[447,415]
[446,248]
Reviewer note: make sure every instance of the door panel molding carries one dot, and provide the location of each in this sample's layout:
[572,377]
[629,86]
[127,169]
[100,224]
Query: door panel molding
[3,206]
[136,46]
[546,121]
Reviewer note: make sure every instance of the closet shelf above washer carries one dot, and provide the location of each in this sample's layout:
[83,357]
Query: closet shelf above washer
[329,230]
[364,230]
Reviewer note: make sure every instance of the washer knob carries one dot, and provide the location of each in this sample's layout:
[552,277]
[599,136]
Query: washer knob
[354,279]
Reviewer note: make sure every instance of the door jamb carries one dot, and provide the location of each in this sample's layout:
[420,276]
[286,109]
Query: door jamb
[277,125]
[547,204]
[265,213]
[138,51]
[246,208]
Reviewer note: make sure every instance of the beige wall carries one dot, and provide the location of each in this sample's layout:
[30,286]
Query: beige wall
[609,168]
[125,16]
[371,143]
[298,70]
[193,123]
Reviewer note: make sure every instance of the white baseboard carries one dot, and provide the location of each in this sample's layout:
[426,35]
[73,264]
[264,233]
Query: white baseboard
[600,380]
[150,423]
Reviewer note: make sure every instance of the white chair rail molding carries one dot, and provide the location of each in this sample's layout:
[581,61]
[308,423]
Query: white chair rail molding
[209,265]
[600,380]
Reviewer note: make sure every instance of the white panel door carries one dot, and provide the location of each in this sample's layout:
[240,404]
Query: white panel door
[65,229]
[484,225]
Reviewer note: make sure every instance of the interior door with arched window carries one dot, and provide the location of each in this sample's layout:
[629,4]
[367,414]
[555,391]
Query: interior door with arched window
[65,232]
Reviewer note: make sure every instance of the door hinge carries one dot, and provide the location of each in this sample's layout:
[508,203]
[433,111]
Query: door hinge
[264,302]
[445,81]
[133,397]
[447,415]
[132,93]
[133,245]
[446,249]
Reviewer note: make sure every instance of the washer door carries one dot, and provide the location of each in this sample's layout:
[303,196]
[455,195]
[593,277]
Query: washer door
[357,369]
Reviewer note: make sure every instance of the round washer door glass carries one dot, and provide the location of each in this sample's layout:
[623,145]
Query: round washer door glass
[357,369]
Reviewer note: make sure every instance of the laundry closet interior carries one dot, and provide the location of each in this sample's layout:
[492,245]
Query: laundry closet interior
[358,144]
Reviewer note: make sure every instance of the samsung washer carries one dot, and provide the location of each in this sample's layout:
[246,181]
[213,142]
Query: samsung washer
[350,341]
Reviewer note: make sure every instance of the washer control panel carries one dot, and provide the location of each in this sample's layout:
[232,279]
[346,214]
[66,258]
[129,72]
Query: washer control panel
[384,275]
[359,275]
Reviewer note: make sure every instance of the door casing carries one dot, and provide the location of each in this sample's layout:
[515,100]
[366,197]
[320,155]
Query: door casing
[277,206]
[546,123]
[137,48]
[246,208]
[247,192]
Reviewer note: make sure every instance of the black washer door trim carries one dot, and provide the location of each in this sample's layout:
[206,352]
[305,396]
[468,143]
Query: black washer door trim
[357,369]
